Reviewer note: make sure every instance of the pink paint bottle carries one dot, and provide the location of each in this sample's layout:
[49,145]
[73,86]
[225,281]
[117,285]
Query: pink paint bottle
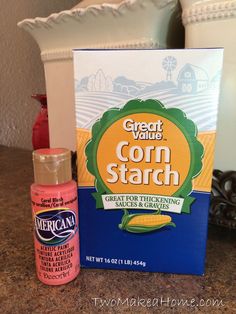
[55,216]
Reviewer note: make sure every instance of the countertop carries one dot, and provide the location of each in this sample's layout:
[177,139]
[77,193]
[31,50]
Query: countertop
[99,291]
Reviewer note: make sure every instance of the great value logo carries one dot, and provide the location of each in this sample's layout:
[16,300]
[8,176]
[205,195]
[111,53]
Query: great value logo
[141,151]
[55,226]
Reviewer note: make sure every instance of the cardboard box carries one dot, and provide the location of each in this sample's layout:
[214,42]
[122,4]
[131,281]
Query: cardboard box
[146,123]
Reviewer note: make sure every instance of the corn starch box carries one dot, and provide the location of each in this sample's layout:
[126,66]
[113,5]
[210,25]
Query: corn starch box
[146,122]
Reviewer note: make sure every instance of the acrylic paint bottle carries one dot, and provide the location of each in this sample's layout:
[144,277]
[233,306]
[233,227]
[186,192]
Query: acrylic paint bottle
[55,216]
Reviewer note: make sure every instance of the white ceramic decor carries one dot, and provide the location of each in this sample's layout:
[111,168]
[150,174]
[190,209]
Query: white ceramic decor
[212,23]
[128,24]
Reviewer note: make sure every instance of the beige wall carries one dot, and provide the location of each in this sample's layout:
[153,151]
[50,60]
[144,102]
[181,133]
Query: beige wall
[21,69]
